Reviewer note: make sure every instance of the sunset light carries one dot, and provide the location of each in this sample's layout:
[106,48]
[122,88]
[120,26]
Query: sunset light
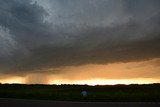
[13,80]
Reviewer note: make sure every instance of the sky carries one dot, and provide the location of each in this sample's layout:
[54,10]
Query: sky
[80,41]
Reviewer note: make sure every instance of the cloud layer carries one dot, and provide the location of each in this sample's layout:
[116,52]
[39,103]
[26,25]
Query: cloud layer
[45,34]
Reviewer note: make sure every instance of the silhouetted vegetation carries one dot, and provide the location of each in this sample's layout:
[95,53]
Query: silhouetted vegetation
[150,92]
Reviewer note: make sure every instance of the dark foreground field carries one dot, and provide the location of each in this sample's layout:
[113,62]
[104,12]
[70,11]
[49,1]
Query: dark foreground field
[41,103]
[117,93]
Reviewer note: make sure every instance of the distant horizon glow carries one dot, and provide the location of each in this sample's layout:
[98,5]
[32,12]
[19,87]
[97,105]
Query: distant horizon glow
[143,72]
[92,82]
[12,80]
[107,81]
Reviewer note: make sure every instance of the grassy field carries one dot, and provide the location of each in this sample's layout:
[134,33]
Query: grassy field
[116,93]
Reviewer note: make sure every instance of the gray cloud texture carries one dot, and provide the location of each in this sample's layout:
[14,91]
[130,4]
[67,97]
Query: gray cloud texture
[43,34]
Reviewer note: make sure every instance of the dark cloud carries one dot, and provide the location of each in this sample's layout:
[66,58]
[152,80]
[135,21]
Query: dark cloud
[35,36]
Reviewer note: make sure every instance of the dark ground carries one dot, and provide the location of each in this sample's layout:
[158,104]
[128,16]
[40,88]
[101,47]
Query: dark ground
[116,93]
[4,102]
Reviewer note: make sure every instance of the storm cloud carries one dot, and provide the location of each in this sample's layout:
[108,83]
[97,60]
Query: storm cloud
[45,34]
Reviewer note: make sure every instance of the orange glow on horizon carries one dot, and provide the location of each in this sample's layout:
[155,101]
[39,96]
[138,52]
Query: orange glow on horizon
[92,82]
[143,72]
[106,81]
[12,80]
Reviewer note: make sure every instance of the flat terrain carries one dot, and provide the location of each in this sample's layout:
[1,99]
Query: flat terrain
[108,93]
[41,103]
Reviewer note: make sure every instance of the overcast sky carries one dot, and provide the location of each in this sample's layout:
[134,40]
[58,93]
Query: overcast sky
[42,36]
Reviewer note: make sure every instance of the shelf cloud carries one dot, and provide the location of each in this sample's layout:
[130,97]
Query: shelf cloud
[37,35]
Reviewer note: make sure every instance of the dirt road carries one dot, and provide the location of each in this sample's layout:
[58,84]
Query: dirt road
[4,102]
